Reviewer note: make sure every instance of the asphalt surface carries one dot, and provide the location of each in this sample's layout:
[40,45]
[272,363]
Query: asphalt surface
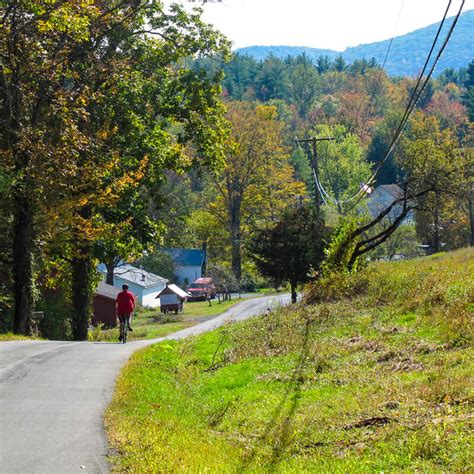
[53,395]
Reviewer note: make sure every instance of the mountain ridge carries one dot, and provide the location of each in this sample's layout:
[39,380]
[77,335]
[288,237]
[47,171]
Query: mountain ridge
[407,53]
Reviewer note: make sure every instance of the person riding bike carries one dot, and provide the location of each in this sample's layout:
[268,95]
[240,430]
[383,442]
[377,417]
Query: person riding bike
[125,304]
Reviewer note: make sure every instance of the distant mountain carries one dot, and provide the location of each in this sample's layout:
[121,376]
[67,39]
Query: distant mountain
[407,54]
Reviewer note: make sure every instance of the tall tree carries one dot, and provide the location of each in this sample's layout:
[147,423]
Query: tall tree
[435,162]
[256,182]
[304,86]
[39,112]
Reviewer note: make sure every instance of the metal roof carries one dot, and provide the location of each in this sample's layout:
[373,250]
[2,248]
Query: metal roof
[107,290]
[139,276]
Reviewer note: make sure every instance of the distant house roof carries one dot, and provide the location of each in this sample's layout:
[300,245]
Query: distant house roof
[108,291]
[175,289]
[186,257]
[138,276]
[382,197]
[393,189]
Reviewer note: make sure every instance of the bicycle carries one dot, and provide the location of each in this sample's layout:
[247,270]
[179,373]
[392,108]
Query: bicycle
[124,322]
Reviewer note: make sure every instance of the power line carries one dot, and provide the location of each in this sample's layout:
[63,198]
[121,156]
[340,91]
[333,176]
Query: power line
[414,98]
[417,92]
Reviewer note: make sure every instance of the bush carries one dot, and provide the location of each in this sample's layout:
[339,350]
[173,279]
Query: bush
[337,286]
[248,284]
[56,323]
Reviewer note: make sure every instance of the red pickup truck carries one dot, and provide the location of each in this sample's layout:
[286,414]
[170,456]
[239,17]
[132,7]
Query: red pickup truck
[201,289]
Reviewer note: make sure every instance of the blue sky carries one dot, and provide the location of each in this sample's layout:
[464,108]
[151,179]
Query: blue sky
[332,24]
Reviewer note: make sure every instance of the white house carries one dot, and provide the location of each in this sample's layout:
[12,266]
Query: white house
[189,264]
[144,285]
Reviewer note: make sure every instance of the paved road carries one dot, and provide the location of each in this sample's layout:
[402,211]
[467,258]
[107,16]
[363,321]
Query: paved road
[53,395]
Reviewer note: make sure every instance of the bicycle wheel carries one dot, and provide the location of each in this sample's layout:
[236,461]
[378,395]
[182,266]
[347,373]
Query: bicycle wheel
[123,331]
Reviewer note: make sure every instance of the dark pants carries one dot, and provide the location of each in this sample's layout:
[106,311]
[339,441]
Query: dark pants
[125,317]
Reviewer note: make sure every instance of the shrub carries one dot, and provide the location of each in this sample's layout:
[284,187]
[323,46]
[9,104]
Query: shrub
[336,286]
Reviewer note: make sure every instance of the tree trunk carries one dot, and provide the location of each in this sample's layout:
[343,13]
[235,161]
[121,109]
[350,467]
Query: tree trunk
[81,282]
[81,295]
[23,266]
[293,292]
[236,236]
[110,273]
[436,239]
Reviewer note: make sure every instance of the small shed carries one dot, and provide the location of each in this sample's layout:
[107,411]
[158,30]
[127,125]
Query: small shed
[172,298]
[104,305]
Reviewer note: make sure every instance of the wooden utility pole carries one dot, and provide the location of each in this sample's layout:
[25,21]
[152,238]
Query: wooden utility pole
[314,164]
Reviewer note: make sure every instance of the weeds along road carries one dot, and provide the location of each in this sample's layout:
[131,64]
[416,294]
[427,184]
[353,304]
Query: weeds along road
[53,395]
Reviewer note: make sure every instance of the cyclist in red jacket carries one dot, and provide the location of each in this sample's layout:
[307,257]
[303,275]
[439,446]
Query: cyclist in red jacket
[125,304]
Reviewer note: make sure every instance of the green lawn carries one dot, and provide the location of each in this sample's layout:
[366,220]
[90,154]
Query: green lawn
[380,380]
[151,324]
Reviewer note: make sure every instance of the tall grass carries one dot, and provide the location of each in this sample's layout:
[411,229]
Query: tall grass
[379,379]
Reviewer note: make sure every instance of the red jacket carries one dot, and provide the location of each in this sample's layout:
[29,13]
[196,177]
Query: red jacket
[125,302]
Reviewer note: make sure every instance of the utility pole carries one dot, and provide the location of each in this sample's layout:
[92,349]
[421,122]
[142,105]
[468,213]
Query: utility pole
[314,164]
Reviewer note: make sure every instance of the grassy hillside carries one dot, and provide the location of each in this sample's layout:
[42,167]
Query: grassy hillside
[407,53]
[376,378]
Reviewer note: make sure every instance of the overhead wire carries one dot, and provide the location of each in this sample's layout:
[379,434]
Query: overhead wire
[417,92]
[322,190]
[414,98]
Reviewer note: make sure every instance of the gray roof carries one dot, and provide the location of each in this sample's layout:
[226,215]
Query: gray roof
[138,276]
[107,290]
[393,189]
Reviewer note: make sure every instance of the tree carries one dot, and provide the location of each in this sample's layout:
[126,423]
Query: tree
[159,263]
[447,109]
[96,99]
[271,81]
[340,64]
[434,162]
[323,64]
[150,113]
[468,96]
[290,249]
[224,281]
[39,112]
[391,170]
[256,182]
[304,86]
[239,77]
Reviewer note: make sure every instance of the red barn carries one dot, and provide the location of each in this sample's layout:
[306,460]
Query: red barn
[104,305]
